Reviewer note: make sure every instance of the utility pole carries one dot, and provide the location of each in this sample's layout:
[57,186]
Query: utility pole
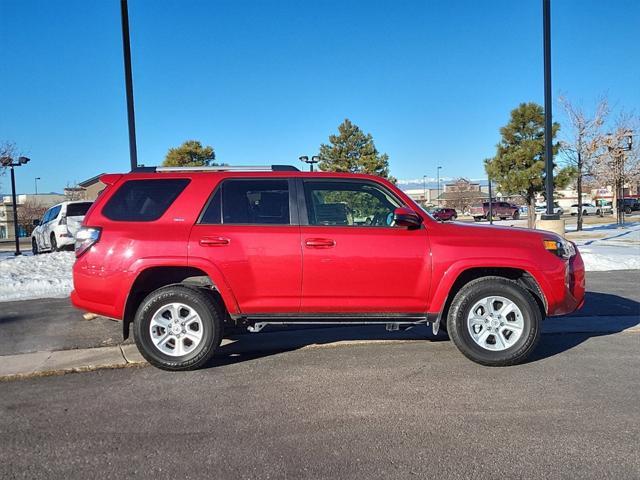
[548,133]
[128,78]
[10,163]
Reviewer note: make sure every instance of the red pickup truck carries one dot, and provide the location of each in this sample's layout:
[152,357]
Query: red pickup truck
[501,210]
[183,254]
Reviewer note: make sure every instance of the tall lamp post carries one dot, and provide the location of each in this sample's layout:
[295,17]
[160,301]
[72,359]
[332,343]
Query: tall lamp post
[128,80]
[11,163]
[424,190]
[35,181]
[311,162]
[438,175]
[548,147]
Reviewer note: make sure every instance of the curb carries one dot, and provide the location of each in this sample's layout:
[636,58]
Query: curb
[48,363]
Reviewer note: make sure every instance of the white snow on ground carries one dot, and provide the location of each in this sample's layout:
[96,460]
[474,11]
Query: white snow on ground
[42,276]
[606,247]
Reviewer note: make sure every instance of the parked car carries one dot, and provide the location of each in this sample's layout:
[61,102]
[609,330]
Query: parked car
[186,255]
[444,214]
[605,206]
[630,204]
[501,210]
[557,209]
[58,226]
[587,209]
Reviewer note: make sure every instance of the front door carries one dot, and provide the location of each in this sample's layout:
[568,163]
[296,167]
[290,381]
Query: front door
[249,232]
[354,259]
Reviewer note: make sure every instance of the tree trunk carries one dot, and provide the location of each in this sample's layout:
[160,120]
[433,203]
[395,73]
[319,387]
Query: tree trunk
[579,227]
[531,214]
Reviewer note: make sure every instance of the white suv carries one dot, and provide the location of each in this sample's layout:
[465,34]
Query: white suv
[58,227]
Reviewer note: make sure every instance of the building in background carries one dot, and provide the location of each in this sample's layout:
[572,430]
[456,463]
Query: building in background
[30,207]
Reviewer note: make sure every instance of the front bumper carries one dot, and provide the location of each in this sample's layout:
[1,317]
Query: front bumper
[571,288]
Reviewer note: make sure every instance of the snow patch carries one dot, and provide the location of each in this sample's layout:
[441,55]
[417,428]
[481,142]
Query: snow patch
[43,276]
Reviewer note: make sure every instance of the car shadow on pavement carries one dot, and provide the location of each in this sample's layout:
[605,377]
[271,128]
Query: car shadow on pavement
[603,314]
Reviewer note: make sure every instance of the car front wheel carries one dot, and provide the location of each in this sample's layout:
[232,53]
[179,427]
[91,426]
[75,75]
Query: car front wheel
[54,243]
[178,328]
[494,321]
[34,246]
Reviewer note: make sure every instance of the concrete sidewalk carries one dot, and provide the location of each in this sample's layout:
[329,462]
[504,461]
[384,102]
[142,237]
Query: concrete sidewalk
[46,363]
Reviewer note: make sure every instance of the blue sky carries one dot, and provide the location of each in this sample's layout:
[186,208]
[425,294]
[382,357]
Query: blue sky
[266,81]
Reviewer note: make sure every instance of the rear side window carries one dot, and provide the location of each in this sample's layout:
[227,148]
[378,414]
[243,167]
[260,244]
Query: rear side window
[143,200]
[78,209]
[249,202]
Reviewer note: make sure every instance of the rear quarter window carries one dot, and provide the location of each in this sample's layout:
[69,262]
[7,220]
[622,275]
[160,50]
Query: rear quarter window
[143,200]
[77,209]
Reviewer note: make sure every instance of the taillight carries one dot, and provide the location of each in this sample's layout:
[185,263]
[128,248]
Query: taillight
[85,238]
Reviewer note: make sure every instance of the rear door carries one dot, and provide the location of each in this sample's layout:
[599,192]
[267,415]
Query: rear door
[354,259]
[75,215]
[249,230]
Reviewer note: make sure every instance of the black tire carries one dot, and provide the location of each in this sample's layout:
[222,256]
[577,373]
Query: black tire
[499,286]
[34,246]
[477,219]
[516,215]
[584,213]
[54,243]
[503,218]
[627,210]
[599,213]
[210,315]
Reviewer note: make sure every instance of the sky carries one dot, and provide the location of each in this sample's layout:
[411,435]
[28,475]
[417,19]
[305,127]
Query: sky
[264,82]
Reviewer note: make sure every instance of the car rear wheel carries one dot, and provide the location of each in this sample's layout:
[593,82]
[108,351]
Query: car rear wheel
[516,215]
[495,322]
[178,328]
[34,246]
[54,243]
[584,212]
[627,210]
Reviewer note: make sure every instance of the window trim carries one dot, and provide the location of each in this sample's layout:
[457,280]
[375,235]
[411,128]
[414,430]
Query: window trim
[293,206]
[304,212]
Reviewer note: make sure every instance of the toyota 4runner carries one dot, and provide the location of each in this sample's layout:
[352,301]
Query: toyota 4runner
[185,253]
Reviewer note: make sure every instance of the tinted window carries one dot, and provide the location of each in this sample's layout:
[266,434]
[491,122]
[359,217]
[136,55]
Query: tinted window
[263,202]
[349,204]
[143,200]
[78,209]
[46,217]
[53,213]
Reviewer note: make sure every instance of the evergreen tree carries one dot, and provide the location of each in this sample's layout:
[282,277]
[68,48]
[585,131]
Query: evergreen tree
[352,150]
[190,154]
[518,166]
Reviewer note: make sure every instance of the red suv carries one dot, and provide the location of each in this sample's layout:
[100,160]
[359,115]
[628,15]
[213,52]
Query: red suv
[444,214]
[183,254]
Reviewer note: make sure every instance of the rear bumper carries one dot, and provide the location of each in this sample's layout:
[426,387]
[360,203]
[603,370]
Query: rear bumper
[93,307]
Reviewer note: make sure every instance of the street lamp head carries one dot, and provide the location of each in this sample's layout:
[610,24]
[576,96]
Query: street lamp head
[5,161]
[23,160]
[304,159]
[315,159]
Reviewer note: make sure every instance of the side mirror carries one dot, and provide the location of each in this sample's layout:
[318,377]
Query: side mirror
[405,217]
[36,222]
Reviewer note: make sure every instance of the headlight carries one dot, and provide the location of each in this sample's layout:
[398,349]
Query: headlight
[86,237]
[562,248]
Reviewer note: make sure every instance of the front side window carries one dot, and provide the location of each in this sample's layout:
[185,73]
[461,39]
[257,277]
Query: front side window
[53,214]
[354,204]
[143,200]
[249,202]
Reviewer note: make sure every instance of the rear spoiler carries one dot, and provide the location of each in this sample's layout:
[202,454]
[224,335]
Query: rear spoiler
[110,178]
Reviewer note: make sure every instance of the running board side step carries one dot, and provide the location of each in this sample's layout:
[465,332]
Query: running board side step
[392,322]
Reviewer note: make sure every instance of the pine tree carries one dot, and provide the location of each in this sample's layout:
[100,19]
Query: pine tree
[518,166]
[190,154]
[353,151]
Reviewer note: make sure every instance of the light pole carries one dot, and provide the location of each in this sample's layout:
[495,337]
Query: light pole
[548,147]
[315,159]
[438,175]
[424,188]
[35,181]
[128,80]
[490,203]
[10,163]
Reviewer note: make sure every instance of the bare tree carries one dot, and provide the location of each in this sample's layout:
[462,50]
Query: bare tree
[618,162]
[583,142]
[462,194]
[73,192]
[29,211]
[7,149]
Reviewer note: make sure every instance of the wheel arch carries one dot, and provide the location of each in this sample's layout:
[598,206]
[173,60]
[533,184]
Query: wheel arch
[519,275]
[155,277]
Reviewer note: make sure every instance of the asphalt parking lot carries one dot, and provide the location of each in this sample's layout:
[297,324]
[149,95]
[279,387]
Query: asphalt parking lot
[370,410]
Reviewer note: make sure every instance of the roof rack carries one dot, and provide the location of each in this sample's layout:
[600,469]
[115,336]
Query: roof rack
[221,168]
